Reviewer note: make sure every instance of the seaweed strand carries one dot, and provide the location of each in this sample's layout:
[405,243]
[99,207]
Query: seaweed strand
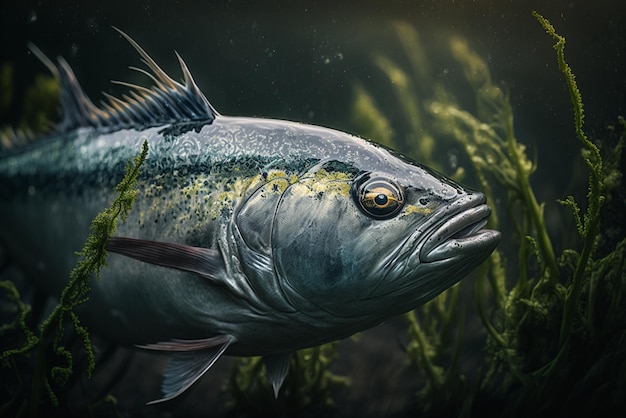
[94,257]
[52,330]
[588,227]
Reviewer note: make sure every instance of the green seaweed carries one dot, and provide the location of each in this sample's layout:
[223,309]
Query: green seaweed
[41,104]
[556,343]
[554,323]
[54,363]
[39,109]
[436,338]
[7,71]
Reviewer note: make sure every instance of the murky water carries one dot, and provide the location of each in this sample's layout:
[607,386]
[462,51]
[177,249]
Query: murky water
[303,62]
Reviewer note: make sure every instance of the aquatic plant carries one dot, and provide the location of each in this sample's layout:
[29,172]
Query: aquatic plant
[6,87]
[554,323]
[39,106]
[54,361]
[307,388]
[551,312]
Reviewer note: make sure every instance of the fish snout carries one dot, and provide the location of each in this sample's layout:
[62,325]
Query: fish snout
[460,232]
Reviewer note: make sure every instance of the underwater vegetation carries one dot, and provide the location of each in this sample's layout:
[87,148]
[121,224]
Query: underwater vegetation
[308,385]
[555,339]
[54,362]
[39,105]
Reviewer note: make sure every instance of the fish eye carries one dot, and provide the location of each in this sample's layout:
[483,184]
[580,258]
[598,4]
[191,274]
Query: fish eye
[378,197]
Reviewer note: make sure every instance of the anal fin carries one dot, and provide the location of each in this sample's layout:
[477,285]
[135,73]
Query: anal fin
[276,368]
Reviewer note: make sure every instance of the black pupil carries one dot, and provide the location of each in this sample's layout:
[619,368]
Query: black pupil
[381,199]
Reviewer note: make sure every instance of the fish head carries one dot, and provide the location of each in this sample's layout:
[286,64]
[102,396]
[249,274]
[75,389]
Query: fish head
[370,242]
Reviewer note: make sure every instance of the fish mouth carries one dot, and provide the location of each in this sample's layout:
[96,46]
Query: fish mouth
[461,233]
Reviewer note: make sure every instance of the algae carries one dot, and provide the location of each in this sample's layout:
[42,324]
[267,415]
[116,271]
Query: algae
[50,343]
[554,323]
[6,87]
[555,343]
[308,387]
[41,104]
[38,110]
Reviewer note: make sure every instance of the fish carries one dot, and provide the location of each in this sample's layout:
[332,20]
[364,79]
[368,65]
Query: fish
[248,236]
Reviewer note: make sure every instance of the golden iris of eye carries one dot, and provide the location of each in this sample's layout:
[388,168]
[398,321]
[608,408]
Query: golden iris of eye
[380,198]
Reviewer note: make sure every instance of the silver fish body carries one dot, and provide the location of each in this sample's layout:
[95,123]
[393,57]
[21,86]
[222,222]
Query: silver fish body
[248,236]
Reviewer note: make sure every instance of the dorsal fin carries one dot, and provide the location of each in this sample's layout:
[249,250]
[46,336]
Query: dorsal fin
[166,102]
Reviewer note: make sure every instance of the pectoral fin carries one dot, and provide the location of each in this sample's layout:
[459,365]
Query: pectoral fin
[276,368]
[206,262]
[189,360]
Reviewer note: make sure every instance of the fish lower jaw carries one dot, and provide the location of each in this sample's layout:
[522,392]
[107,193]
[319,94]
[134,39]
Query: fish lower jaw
[460,236]
[483,241]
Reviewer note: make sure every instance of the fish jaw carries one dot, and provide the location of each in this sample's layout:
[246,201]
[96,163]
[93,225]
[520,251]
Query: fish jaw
[461,234]
[437,254]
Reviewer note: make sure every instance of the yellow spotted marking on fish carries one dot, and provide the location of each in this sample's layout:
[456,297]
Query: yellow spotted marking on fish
[409,209]
[153,190]
[229,193]
[328,182]
[280,174]
[199,184]
[280,181]
[325,175]
[205,197]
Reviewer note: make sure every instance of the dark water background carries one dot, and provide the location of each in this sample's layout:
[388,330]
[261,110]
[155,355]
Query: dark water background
[299,61]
